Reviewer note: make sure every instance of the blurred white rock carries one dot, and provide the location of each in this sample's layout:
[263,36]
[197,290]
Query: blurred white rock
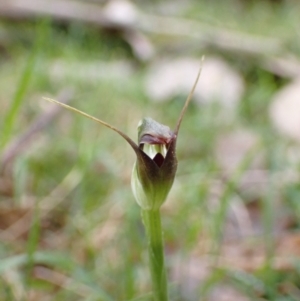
[121,12]
[218,82]
[123,15]
[285,110]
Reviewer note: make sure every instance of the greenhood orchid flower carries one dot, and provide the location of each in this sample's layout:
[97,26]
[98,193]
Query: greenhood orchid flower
[156,163]
[154,171]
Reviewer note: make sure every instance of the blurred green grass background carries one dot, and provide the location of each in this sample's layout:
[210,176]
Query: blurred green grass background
[83,238]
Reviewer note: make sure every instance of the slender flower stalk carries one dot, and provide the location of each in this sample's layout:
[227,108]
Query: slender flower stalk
[152,223]
[152,178]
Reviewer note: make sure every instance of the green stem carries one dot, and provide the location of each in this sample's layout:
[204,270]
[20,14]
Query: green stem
[152,222]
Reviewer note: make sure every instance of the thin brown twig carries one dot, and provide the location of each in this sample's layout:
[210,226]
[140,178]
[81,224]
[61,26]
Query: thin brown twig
[64,10]
[207,35]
